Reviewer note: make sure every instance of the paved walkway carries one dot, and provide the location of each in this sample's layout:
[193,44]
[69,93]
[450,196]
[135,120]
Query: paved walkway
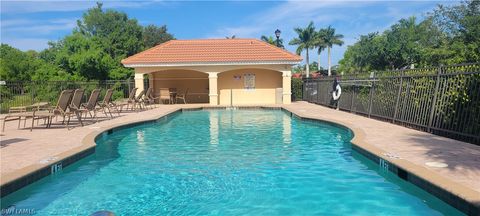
[23,151]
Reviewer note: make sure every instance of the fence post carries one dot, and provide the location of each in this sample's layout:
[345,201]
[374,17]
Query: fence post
[434,101]
[372,93]
[32,91]
[304,87]
[318,90]
[398,96]
[354,87]
[129,87]
[352,98]
[305,91]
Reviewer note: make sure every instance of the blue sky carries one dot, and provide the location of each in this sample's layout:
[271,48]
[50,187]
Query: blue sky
[31,24]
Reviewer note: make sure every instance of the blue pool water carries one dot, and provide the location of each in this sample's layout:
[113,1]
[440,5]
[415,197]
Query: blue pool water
[227,162]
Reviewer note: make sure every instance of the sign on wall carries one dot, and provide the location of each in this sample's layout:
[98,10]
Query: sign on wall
[249,81]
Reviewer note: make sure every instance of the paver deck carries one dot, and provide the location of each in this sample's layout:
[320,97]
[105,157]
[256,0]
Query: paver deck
[21,148]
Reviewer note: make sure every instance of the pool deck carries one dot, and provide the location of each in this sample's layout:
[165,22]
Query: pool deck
[23,152]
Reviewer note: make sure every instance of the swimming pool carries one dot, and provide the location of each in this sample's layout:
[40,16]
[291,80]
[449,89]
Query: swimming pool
[227,162]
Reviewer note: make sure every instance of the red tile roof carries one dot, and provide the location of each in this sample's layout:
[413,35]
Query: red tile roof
[212,51]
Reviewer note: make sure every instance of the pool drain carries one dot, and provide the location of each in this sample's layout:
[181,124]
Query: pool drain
[392,156]
[47,160]
[436,164]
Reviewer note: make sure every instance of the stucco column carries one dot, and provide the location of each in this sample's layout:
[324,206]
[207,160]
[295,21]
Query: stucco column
[287,86]
[150,82]
[212,86]
[139,82]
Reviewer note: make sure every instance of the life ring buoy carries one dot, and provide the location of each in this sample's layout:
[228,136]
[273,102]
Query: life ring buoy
[336,94]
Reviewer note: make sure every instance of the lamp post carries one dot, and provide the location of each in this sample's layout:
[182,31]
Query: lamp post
[277,34]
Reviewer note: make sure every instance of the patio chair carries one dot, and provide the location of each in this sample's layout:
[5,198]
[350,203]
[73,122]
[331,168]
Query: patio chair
[91,105]
[164,95]
[182,97]
[16,113]
[139,100]
[76,103]
[149,98]
[107,103]
[127,102]
[61,109]
[77,98]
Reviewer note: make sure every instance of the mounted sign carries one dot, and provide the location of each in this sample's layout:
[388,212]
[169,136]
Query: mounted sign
[249,81]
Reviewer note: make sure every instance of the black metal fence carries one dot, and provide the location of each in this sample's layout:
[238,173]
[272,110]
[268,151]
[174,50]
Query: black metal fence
[441,100]
[21,93]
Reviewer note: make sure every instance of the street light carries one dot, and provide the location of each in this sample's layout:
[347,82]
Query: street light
[277,34]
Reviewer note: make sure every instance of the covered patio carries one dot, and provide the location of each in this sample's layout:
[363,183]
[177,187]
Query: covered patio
[217,71]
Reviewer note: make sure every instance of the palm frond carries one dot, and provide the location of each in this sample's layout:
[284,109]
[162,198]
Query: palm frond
[300,49]
[295,41]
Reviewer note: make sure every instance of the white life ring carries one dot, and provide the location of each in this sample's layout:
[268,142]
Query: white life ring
[336,94]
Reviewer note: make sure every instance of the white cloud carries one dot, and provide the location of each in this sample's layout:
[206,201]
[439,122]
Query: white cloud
[27,43]
[33,34]
[14,22]
[287,14]
[351,18]
[42,27]
[38,6]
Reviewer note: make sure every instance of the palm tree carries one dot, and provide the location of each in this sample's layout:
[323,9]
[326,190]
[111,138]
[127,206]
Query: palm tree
[232,37]
[271,40]
[330,39]
[305,41]
[320,44]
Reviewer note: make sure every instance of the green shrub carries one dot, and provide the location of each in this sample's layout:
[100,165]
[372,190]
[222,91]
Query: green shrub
[297,89]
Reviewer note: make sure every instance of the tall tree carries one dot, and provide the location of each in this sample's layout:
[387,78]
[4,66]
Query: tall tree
[271,40]
[153,35]
[120,36]
[93,51]
[402,47]
[85,57]
[320,44]
[15,64]
[461,24]
[305,41]
[448,35]
[330,39]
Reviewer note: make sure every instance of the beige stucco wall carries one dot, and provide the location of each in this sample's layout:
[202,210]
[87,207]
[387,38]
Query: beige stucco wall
[266,83]
[196,82]
[219,83]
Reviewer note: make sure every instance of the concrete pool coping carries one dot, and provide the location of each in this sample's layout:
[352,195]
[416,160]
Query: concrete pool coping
[455,189]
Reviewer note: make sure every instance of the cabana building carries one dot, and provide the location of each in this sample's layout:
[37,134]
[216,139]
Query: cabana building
[217,71]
